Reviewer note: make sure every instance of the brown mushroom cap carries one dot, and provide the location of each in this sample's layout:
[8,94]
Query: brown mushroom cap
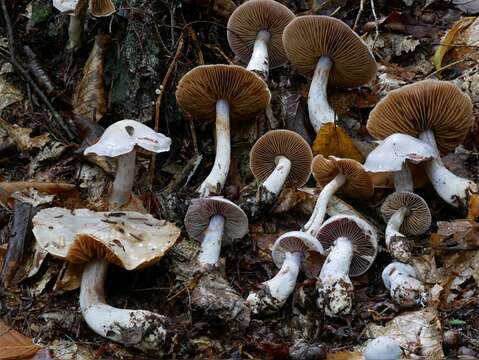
[307,38]
[429,104]
[359,232]
[358,182]
[201,210]
[288,144]
[418,219]
[251,17]
[200,89]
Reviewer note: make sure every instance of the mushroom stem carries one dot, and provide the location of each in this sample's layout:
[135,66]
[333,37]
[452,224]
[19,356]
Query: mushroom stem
[334,286]
[75,32]
[141,329]
[403,179]
[125,175]
[216,180]
[317,217]
[397,243]
[406,290]
[274,183]
[451,188]
[258,62]
[320,112]
[283,283]
[211,244]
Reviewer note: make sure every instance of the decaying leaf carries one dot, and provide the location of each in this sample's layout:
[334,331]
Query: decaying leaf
[8,188]
[470,7]
[89,99]
[473,207]
[21,136]
[15,346]
[70,277]
[9,94]
[456,235]
[333,140]
[345,355]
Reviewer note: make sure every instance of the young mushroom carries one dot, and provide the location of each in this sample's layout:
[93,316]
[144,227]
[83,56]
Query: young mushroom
[351,245]
[120,140]
[255,31]
[214,221]
[128,239]
[382,348]
[221,92]
[401,280]
[335,55]
[289,252]
[439,114]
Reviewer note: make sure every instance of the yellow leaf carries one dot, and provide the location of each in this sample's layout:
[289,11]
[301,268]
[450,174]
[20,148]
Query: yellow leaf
[14,345]
[345,355]
[448,40]
[473,211]
[332,140]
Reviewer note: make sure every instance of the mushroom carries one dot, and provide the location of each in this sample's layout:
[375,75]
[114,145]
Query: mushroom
[128,239]
[401,280]
[224,92]
[279,158]
[255,31]
[335,174]
[329,49]
[405,213]
[120,140]
[382,348]
[214,221]
[351,245]
[439,114]
[289,252]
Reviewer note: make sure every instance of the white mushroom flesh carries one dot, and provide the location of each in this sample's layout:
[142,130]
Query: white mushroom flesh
[282,285]
[211,245]
[124,178]
[406,290]
[382,348]
[259,59]
[275,182]
[320,112]
[396,242]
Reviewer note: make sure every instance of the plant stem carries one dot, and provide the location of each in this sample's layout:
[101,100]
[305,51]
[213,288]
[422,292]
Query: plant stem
[123,184]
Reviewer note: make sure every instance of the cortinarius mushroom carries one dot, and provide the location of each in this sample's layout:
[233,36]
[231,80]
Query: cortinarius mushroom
[401,280]
[255,31]
[382,348]
[120,140]
[351,245]
[329,49]
[214,221]
[128,239]
[222,92]
[439,114]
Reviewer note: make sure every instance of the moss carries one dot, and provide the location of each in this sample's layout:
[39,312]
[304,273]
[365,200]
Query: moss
[40,12]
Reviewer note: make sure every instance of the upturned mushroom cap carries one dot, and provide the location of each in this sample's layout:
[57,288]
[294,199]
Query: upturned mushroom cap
[392,153]
[201,210]
[288,144]
[122,137]
[101,8]
[418,218]
[129,239]
[395,269]
[359,232]
[251,17]
[358,183]
[434,105]
[307,38]
[298,241]
[200,89]
[382,348]
[65,6]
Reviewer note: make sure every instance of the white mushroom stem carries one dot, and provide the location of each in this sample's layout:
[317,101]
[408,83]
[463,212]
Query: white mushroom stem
[335,288]
[397,244]
[394,224]
[274,183]
[211,245]
[406,290]
[216,180]
[259,59]
[123,183]
[141,329]
[282,285]
[403,179]
[314,223]
[451,188]
[320,112]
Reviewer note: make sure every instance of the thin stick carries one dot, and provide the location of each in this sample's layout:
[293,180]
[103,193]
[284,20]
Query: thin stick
[358,16]
[376,23]
[8,25]
[445,67]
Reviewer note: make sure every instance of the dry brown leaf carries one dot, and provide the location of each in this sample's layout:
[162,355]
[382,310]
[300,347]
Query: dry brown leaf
[15,346]
[345,355]
[89,99]
[473,210]
[8,188]
[21,136]
[332,140]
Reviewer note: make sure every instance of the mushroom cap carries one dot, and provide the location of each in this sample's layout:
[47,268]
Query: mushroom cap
[251,17]
[358,182]
[393,151]
[65,6]
[418,219]
[382,348]
[281,143]
[201,210]
[298,241]
[200,89]
[434,105]
[394,269]
[102,8]
[309,37]
[122,137]
[129,239]
[359,232]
